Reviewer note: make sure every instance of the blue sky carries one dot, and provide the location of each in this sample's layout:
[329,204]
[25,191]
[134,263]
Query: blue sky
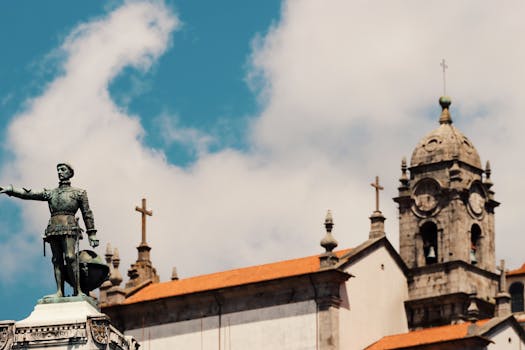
[200,77]
[243,122]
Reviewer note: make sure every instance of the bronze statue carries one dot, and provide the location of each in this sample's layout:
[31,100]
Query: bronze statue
[63,232]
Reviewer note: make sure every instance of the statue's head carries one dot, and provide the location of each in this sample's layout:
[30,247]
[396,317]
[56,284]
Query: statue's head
[65,171]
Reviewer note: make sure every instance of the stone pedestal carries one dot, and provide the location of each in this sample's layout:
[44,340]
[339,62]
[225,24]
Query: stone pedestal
[64,323]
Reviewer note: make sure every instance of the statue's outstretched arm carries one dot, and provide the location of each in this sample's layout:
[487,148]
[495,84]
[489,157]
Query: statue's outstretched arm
[25,193]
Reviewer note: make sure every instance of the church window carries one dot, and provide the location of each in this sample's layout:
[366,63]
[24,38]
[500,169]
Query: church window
[475,234]
[430,246]
[516,296]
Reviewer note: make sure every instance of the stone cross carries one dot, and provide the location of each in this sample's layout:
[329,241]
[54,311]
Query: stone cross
[378,188]
[144,212]
[443,64]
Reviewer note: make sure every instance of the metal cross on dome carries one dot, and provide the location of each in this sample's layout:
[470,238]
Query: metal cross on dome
[444,65]
[144,212]
[378,188]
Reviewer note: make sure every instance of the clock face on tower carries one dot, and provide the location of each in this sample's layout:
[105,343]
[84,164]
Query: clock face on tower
[476,199]
[426,196]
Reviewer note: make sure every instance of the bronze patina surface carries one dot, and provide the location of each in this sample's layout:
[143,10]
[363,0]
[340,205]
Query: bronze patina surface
[63,231]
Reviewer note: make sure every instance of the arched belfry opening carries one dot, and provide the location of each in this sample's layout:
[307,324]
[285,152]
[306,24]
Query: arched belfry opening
[475,235]
[429,234]
[516,297]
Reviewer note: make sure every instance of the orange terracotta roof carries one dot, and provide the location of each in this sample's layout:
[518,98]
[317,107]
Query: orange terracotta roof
[520,317]
[424,336]
[516,272]
[229,278]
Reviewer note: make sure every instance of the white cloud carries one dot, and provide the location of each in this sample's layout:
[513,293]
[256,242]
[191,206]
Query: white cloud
[75,119]
[353,82]
[348,90]
[194,140]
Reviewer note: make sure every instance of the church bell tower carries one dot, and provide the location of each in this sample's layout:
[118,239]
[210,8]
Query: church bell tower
[446,227]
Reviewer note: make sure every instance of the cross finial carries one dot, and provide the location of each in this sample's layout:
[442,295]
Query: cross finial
[378,188]
[144,212]
[443,65]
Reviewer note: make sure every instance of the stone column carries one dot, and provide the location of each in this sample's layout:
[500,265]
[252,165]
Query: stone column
[327,296]
[328,318]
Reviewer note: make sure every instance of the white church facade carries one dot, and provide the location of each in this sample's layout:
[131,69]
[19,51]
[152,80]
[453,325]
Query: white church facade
[291,304]
[441,290]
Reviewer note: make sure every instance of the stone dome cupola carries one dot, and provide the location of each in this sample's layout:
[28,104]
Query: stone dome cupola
[446,227]
[446,143]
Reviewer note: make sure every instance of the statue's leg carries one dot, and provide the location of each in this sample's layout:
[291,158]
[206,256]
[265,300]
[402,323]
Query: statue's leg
[58,263]
[71,262]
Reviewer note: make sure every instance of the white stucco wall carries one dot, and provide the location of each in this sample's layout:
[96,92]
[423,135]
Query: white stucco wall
[372,301]
[501,340]
[287,327]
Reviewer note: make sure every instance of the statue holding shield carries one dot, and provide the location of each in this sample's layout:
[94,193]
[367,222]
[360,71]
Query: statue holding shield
[63,231]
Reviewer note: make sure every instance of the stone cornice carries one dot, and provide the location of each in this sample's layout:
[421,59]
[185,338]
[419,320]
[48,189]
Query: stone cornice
[319,286]
[451,265]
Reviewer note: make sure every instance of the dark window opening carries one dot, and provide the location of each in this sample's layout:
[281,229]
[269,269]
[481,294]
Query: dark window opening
[430,246]
[475,234]
[516,296]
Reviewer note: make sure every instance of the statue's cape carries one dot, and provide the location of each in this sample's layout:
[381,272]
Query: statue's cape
[93,271]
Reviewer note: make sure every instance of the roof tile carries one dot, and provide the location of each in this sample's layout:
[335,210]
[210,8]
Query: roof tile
[229,278]
[520,271]
[424,336]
